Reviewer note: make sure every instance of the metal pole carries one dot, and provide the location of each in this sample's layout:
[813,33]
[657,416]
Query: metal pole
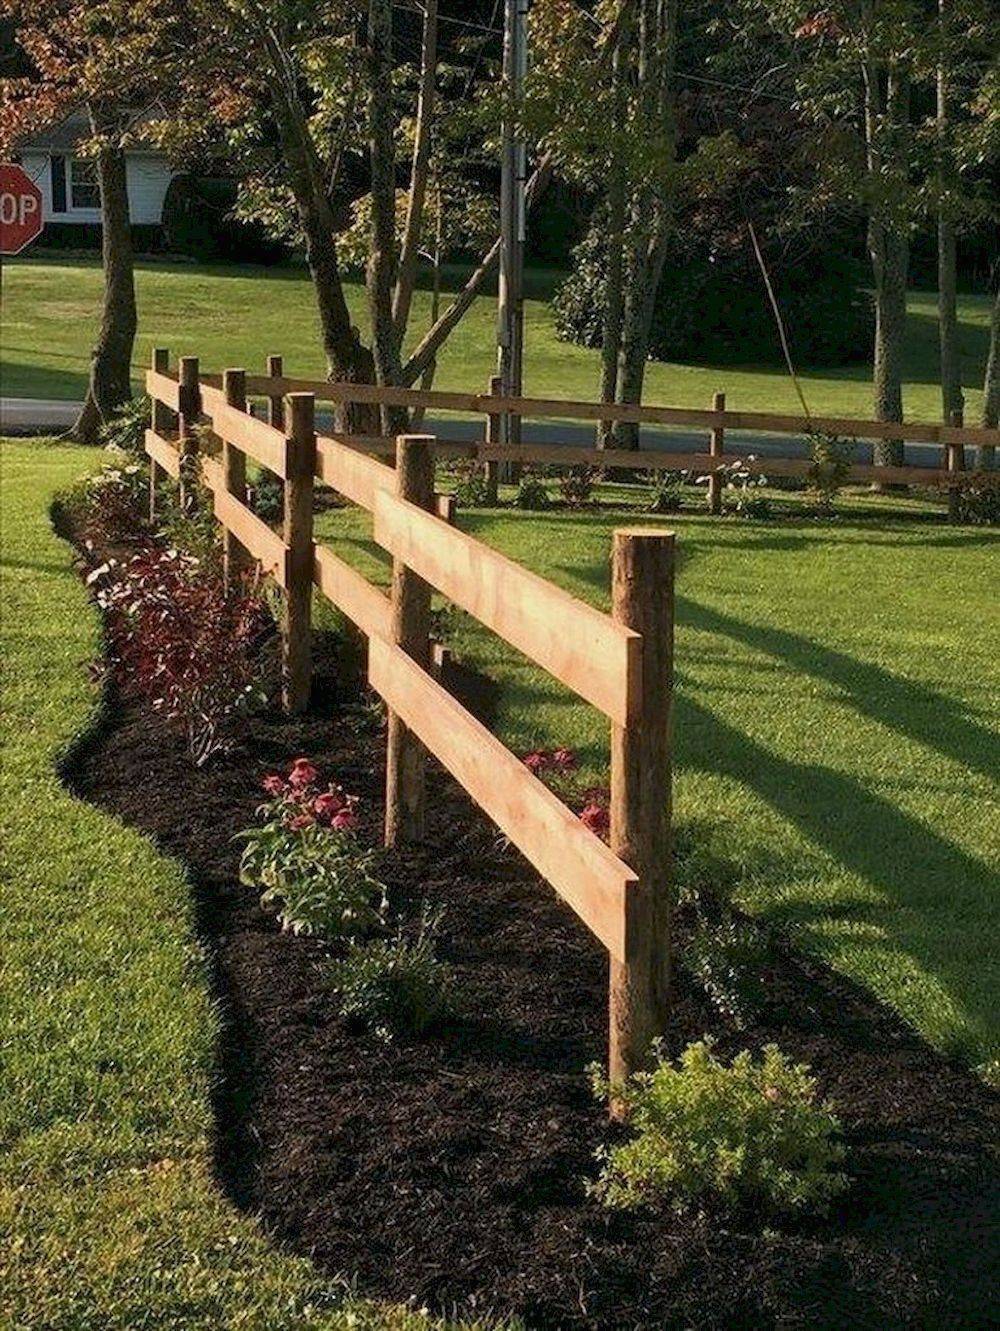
[513,179]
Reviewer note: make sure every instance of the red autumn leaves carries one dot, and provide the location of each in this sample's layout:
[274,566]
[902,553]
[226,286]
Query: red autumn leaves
[302,802]
[552,766]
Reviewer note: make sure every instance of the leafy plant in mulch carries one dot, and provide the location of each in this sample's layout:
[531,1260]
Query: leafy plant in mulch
[472,487]
[741,1133]
[306,856]
[557,768]
[532,493]
[180,638]
[741,486]
[830,468]
[267,496]
[396,986]
[576,486]
[125,430]
[110,505]
[729,958]
[979,498]
[665,492]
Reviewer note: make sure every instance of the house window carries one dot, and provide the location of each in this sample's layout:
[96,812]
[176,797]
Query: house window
[84,192]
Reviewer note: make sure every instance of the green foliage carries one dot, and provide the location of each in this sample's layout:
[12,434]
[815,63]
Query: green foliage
[396,986]
[193,529]
[532,494]
[728,959]
[471,486]
[110,505]
[125,432]
[268,496]
[665,492]
[741,487]
[741,1133]
[831,465]
[576,486]
[979,499]
[200,221]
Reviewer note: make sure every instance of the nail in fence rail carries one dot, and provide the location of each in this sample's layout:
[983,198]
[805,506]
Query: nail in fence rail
[405,794]
[296,663]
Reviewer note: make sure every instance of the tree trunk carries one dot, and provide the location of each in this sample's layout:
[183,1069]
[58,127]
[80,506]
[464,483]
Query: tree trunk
[110,366]
[614,305]
[419,173]
[952,400]
[991,386]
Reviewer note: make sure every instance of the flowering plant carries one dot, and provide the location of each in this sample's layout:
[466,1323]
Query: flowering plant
[555,767]
[307,858]
[741,482]
[180,638]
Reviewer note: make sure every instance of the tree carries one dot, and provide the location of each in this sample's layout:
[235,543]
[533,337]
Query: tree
[104,57]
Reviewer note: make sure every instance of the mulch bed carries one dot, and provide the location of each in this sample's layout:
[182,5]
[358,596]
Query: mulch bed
[451,1170]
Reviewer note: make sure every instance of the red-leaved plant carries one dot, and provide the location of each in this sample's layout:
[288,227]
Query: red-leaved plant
[178,637]
[555,767]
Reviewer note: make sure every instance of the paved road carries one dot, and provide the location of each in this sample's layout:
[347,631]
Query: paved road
[44,416]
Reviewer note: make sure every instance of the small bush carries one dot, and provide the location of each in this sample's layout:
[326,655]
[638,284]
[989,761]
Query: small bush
[532,494]
[728,960]
[741,486]
[267,497]
[831,465]
[665,492]
[395,986]
[472,488]
[178,637]
[193,529]
[576,486]
[125,432]
[306,856]
[741,1133]
[111,505]
[979,498]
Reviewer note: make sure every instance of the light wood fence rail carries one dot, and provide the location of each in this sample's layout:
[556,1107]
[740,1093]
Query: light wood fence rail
[621,663]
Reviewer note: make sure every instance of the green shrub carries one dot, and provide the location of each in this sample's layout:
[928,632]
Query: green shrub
[395,986]
[831,465]
[741,1133]
[472,488]
[126,429]
[532,494]
[728,960]
[576,486]
[979,498]
[268,496]
[665,492]
[110,505]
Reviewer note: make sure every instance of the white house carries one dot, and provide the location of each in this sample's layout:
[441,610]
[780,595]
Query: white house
[69,184]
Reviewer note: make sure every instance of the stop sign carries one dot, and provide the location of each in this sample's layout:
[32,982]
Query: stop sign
[20,209]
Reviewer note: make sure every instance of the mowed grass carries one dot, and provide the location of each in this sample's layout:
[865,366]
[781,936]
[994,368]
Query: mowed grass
[836,738]
[236,316]
[109,1215]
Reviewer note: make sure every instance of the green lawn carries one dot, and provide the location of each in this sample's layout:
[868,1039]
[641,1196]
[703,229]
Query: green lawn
[238,315]
[109,1216]
[836,729]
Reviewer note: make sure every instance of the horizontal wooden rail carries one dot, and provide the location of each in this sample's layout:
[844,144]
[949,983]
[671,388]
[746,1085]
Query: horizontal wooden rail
[362,603]
[261,441]
[580,867]
[163,388]
[484,404]
[581,647]
[354,475]
[164,453]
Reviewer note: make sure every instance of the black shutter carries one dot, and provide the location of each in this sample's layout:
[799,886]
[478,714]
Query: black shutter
[58,184]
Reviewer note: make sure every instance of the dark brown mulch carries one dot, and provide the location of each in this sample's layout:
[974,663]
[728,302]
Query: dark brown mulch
[451,1170]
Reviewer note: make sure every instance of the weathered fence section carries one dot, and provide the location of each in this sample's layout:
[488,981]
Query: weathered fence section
[621,663]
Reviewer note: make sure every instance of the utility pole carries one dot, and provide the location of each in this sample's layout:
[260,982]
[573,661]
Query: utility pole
[513,179]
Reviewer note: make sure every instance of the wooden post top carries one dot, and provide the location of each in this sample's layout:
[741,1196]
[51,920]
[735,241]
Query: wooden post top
[301,414]
[187,367]
[161,360]
[644,534]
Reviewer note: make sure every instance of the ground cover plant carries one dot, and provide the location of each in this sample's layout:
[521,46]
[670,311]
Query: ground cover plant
[51,307]
[821,668]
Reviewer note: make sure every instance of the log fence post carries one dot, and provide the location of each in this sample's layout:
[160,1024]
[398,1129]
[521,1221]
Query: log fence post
[162,423]
[275,402]
[445,508]
[493,436]
[956,464]
[411,618]
[234,474]
[189,401]
[296,639]
[716,447]
[642,594]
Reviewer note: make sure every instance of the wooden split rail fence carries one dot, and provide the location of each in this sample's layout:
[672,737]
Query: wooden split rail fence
[620,663]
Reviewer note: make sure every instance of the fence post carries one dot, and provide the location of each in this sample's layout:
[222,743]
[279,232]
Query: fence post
[187,425]
[411,613]
[493,432]
[716,447]
[275,402]
[234,474]
[161,422]
[296,642]
[445,508]
[642,596]
[956,463]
